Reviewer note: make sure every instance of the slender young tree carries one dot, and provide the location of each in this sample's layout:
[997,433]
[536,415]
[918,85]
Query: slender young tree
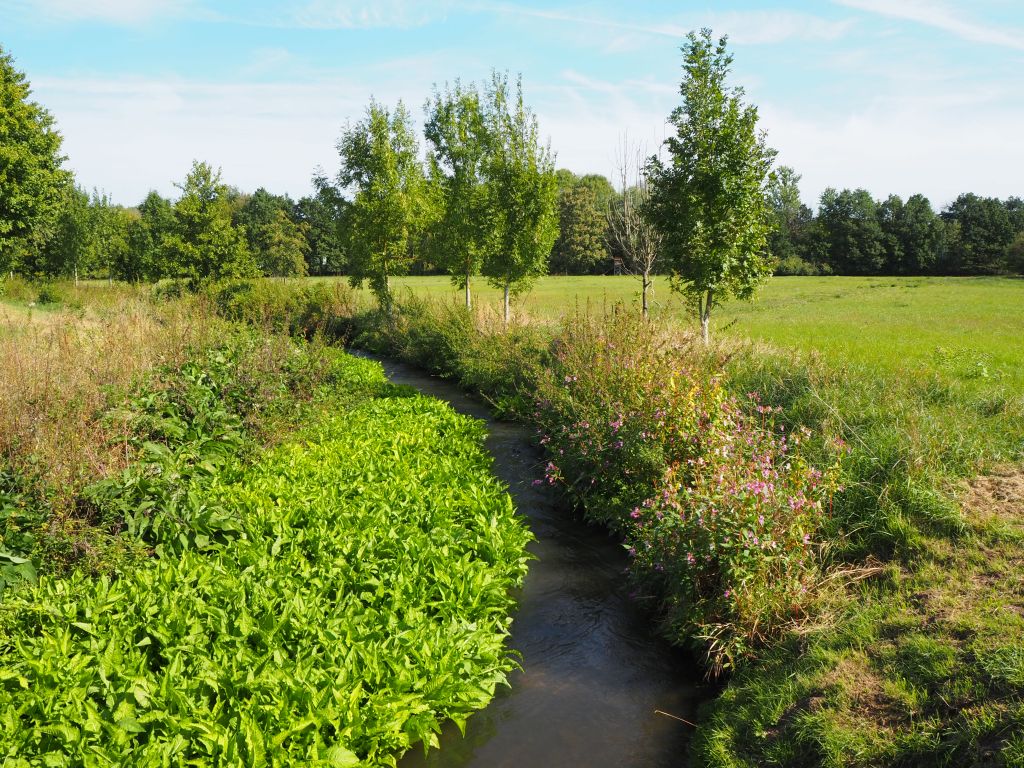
[709,201]
[380,165]
[33,185]
[457,133]
[631,233]
[521,193]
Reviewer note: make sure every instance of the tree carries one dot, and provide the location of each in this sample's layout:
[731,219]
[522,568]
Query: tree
[984,233]
[709,202]
[850,230]
[324,219]
[521,193]
[581,246]
[912,233]
[631,233]
[146,236]
[457,133]
[32,182]
[277,243]
[380,165]
[792,225]
[203,243]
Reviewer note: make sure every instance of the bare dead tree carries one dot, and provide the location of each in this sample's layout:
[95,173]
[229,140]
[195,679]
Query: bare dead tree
[629,231]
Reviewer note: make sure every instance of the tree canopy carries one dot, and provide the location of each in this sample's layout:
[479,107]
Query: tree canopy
[32,181]
[709,200]
[521,192]
[380,166]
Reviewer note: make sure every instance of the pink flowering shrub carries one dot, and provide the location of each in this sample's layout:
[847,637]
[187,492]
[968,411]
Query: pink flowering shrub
[717,508]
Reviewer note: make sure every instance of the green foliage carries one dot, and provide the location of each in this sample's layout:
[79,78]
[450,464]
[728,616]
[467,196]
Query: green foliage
[31,177]
[791,241]
[521,192]
[458,135]
[710,200]
[323,217]
[331,604]
[277,243]
[852,236]
[296,308]
[983,233]
[380,165]
[203,243]
[581,247]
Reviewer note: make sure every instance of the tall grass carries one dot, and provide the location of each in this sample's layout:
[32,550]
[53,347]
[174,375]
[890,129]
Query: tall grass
[61,368]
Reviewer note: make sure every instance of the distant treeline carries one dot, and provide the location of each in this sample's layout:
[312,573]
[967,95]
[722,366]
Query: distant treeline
[216,230]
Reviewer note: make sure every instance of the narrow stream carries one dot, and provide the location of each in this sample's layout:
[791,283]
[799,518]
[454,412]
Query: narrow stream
[593,673]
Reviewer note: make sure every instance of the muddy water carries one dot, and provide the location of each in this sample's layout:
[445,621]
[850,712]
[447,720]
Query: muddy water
[593,673]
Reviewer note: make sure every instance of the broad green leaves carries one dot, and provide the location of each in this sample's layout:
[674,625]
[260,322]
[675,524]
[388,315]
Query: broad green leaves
[358,599]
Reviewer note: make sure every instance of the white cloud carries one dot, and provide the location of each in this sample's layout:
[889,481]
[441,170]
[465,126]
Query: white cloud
[940,16]
[130,135]
[933,147]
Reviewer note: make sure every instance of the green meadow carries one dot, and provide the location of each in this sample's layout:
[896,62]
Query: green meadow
[971,325]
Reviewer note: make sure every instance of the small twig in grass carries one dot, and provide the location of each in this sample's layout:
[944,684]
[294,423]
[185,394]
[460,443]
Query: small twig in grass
[675,717]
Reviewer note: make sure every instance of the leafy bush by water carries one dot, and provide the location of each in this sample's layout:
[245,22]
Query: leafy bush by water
[717,507]
[355,595]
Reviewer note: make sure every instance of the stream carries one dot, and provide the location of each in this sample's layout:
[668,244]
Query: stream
[593,671]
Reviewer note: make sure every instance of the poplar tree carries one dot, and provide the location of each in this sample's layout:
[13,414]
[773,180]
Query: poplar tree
[32,182]
[521,193]
[709,198]
[457,133]
[380,166]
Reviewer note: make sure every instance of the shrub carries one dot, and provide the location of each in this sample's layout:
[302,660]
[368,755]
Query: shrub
[717,508]
[297,307]
[794,265]
[49,294]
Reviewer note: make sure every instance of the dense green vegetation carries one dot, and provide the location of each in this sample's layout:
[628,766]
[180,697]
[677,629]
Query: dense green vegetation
[902,645]
[825,504]
[300,562]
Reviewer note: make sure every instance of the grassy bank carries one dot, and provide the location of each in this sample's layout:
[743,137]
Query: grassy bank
[906,649]
[293,561]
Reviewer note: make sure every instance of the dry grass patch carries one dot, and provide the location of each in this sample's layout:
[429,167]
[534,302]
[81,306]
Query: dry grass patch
[61,369]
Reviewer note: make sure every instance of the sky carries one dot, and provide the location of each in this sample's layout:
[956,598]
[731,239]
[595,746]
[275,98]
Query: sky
[895,96]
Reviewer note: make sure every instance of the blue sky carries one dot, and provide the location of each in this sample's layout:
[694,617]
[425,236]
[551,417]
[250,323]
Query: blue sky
[897,96]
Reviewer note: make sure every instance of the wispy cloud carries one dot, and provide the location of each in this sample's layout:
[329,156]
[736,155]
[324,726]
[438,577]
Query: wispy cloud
[364,14]
[941,16]
[743,27]
[126,12]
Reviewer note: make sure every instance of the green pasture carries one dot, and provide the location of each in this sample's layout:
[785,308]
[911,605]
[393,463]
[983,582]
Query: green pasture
[968,326]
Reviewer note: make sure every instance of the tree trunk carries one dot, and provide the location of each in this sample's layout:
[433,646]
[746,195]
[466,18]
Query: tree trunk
[506,305]
[469,299]
[76,275]
[705,317]
[646,287]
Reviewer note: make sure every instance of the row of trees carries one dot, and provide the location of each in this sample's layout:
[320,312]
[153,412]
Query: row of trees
[211,230]
[484,199]
[854,234]
[483,203]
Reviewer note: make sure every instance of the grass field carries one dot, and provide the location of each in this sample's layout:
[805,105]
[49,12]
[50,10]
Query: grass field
[972,325]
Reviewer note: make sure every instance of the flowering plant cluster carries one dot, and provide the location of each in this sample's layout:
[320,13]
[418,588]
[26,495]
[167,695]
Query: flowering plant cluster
[715,504]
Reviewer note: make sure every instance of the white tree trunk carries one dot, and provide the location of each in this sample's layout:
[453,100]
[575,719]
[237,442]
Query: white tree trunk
[469,299]
[507,312]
